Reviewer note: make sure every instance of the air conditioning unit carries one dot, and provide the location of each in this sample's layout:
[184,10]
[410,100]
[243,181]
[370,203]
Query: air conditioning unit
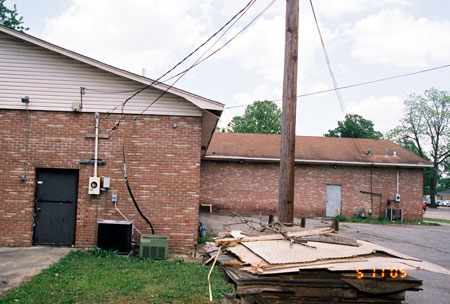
[94,185]
[115,235]
[155,247]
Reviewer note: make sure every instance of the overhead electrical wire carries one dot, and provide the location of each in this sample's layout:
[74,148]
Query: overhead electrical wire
[333,78]
[180,75]
[199,60]
[356,84]
[231,39]
[122,105]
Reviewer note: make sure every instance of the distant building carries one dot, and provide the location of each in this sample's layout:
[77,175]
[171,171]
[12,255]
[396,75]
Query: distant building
[444,195]
[240,173]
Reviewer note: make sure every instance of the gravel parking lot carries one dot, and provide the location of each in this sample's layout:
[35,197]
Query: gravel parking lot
[429,243]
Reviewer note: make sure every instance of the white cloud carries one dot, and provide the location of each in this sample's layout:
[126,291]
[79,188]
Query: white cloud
[261,92]
[133,34]
[385,112]
[260,48]
[392,37]
[333,8]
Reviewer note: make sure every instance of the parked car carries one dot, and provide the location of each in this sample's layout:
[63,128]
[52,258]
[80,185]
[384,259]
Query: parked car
[424,207]
[427,203]
[445,203]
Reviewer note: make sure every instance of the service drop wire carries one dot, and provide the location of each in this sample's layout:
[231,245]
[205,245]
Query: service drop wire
[200,60]
[251,2]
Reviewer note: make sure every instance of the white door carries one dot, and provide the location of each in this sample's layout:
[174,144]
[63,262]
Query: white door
[333,200]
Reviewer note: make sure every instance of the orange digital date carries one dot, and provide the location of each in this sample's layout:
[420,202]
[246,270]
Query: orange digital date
[392,272]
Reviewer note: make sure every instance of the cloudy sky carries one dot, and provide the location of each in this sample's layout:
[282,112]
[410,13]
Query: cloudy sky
[365,39]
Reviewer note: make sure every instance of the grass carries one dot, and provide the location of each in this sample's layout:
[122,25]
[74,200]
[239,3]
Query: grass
[381,221]
[436,220]
[102,277]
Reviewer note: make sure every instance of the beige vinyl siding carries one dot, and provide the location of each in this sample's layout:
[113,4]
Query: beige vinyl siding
[53,81]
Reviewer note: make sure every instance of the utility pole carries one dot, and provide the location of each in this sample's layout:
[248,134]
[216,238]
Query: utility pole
[287,154]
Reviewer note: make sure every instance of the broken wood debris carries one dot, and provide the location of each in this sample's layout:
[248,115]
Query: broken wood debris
[279,268]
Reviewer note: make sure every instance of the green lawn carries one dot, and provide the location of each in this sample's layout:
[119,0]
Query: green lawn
[436,220]
[102,277]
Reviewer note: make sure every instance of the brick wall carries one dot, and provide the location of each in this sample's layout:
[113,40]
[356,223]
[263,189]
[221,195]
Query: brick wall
[252,188]
[163,167]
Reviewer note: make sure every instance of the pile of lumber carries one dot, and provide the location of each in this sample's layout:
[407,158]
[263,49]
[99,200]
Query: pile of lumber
[313,266]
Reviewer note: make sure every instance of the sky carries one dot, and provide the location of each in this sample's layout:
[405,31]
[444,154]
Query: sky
[366,40]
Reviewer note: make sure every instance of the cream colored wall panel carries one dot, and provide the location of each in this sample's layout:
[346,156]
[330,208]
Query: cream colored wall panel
[53,81]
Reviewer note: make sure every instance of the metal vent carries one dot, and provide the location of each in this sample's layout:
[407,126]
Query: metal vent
[154,247]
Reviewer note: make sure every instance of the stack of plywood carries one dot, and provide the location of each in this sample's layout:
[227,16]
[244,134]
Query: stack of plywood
[314,266]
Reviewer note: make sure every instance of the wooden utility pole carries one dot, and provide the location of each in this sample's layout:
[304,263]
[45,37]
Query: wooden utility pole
[287,154]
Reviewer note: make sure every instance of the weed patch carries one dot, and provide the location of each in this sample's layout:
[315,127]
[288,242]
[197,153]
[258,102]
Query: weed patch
[381,220]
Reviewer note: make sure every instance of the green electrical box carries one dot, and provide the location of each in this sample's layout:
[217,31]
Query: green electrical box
[155,247]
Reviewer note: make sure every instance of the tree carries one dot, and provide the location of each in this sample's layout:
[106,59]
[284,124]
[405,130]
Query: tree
[10,18]
[355,126]
[426,123]
[260,117]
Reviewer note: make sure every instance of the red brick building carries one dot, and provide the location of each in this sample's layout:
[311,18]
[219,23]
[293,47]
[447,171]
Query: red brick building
[240,173]
[48,138]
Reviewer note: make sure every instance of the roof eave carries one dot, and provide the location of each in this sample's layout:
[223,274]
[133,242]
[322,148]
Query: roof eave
[316,162]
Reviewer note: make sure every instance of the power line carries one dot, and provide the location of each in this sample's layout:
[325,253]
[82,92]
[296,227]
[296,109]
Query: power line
[251,2]
[231,39]
[335,85]
[181,74]
[356,84]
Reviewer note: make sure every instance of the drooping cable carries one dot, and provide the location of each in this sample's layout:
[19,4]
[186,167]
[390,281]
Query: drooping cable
[131,192]
[225,44]
[122,105]
[181,74]
[198,61]
[330,69]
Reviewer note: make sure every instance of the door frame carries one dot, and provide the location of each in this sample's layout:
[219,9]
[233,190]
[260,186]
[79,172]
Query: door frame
[77,173]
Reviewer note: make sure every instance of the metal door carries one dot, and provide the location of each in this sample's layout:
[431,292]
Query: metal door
[55,206]
[333,200]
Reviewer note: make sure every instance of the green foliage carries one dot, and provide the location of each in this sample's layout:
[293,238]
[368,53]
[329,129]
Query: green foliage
[260,117]
[10,18]
[425,130]
[436,220]
[90,278]
[355,126]
[381,220]
[102,253]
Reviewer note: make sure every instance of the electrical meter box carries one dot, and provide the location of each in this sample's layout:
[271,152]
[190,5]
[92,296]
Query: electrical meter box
[94,185]
[155,247]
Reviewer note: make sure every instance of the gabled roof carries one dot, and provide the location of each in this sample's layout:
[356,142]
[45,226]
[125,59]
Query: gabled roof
[312,150]
[201,102]
[445,191]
